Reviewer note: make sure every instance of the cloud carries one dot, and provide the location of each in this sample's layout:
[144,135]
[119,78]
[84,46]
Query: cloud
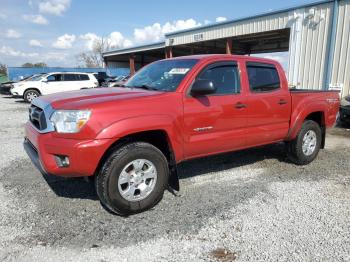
[54,7]
[35,43]
[114,40]
[11,33]
[36,19]
[9,51]
[156,32]
[220,19]
[3,16]
[89,39]
[64,42]
[152,33]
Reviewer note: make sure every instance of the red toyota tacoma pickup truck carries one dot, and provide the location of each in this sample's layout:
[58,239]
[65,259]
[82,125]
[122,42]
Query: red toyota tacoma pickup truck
[130,139]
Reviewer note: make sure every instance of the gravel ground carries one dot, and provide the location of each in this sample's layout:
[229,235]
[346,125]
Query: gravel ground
[246,206]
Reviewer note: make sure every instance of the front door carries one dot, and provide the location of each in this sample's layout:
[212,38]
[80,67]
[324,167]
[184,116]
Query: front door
[215,123]
[53,84]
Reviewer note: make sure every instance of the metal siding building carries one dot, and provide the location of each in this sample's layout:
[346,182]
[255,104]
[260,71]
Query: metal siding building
[341,62]
[316,35]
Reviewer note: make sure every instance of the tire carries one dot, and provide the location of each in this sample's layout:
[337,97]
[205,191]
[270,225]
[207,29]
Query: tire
[120,166]
[30,94]
[304,155]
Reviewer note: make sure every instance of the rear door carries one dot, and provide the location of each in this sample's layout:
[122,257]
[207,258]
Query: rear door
[87,81]
[71,82]
[215,123]
[268,104]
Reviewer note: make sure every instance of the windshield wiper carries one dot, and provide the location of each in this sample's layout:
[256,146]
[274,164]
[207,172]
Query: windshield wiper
[146,87]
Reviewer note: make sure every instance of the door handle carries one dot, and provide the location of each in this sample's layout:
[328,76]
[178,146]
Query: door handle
[240,105]
[282,102]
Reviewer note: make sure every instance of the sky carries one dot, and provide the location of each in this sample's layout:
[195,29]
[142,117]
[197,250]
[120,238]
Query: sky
[56,31]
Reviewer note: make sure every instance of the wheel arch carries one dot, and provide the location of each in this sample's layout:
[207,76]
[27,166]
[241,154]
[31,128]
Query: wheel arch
[317,116]
[31,88]
[158,138]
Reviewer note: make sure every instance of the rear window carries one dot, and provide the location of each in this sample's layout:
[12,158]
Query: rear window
[84,77]
[263,77]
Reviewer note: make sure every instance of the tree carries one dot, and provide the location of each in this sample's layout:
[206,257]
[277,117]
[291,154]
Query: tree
[27,65]
[39,64]
[94,58]
[3,69]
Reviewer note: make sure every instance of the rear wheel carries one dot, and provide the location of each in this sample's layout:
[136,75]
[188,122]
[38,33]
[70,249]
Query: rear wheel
[305,147]
[133,178]
[30,95]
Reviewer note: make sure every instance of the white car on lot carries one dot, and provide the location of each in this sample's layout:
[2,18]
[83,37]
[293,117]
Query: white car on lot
[53,83]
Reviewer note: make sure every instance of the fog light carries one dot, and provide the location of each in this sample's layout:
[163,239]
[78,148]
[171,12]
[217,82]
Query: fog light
[62,161]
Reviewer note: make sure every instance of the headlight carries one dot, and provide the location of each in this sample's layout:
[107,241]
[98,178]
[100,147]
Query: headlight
[70,121]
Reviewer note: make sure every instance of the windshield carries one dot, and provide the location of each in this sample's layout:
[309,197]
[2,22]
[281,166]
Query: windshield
[37,77]
[164,75]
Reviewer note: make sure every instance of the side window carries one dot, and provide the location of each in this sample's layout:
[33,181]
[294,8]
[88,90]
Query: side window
[71,77]
[262,77]
[84,77]
[54,78]
[225,78]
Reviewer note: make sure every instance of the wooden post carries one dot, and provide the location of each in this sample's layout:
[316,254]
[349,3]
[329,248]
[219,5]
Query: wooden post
[132,64]
[229,46]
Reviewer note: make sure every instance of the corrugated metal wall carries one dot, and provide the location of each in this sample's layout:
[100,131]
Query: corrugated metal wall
[308,46]
[341,61]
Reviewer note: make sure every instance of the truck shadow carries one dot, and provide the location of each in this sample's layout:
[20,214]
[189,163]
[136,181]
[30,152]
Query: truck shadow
[82,189]
[71,187]
[231,160]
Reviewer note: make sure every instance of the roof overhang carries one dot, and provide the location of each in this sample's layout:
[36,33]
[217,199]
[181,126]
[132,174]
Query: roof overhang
[135,49]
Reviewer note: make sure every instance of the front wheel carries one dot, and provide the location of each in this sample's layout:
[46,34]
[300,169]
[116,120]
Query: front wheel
[305,147]
[30,95]
[132,179]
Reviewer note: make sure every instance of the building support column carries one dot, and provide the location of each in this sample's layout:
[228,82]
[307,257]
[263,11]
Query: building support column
[331,46]
[168,52]
[229,46]
[132,64]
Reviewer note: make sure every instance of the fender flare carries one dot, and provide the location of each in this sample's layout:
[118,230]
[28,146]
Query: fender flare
[298,119]
[144,123]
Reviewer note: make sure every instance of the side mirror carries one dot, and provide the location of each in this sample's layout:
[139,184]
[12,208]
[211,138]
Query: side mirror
[202,87]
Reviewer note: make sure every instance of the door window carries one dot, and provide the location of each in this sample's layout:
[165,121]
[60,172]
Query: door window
[54,78]
[71,77]
[263,77]
[225,78]
[84,77]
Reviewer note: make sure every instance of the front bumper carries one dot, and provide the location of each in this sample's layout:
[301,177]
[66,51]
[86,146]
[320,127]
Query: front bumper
[344,113]
[5,90]
[84,155]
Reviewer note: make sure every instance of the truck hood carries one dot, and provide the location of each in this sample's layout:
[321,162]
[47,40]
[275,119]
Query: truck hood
[87,98]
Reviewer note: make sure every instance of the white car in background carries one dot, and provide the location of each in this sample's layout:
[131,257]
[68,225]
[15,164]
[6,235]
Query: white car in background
[53,83]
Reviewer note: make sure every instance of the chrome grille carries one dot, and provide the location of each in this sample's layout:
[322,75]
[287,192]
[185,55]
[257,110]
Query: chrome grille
[37,117]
